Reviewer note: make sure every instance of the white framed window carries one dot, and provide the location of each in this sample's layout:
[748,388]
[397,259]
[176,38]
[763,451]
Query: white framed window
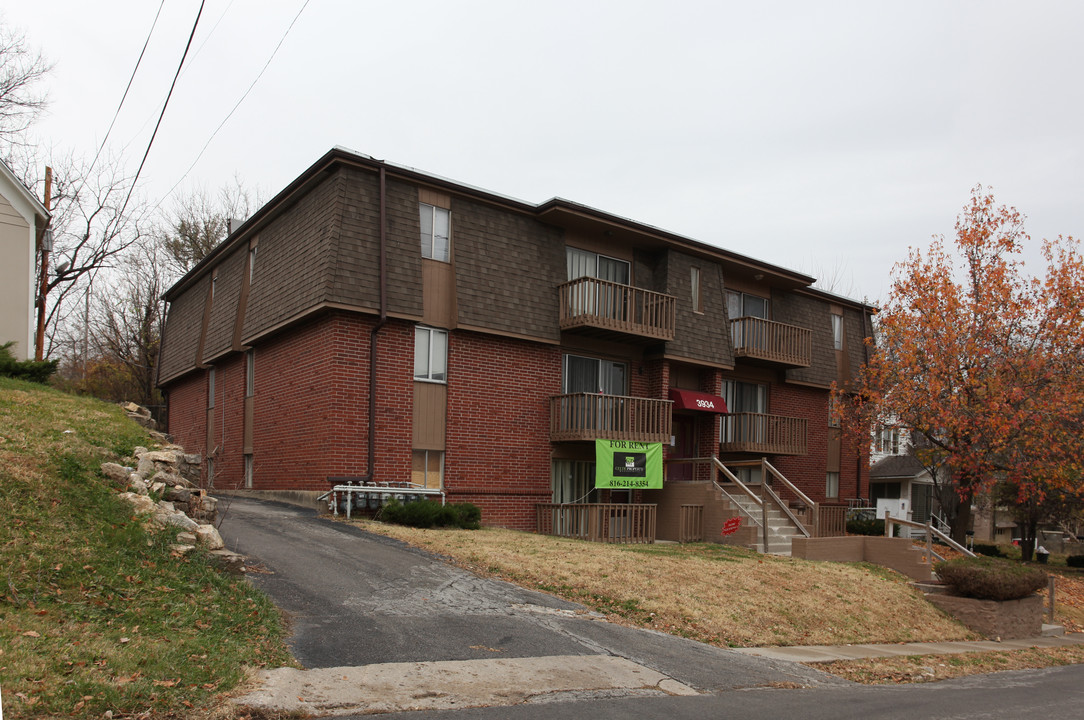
[430,354]
[888,441]
[831,485]
[695,288]
[837,332]
[251,262]
[211,389]
[427,468]
[250,373]
[436,231]
[248,470]
[833,411]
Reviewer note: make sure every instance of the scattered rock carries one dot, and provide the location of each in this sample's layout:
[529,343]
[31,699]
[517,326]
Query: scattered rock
[207,536]
[186,538]
[182,521]
[230,560]
[116,473]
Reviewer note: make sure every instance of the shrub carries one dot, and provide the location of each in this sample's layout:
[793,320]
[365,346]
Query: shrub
[429,514]
[988,549]
[987,578]
[1075,561]
[869,526]
[32,370]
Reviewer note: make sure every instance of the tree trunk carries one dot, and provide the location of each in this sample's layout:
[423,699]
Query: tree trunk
[961,521]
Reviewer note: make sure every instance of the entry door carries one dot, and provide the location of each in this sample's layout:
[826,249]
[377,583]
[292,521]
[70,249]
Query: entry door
[684,447]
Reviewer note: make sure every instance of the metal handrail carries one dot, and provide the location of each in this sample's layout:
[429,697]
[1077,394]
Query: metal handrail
[930,531]
[786,510]
[403,488]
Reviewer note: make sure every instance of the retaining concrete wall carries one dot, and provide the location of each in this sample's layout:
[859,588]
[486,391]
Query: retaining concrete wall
[898,554]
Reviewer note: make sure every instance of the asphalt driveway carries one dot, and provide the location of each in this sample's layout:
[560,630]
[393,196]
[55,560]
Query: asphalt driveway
[373,608]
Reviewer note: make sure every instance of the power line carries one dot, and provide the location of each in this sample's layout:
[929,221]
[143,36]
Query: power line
[241,100]
[164,106]
[122,99]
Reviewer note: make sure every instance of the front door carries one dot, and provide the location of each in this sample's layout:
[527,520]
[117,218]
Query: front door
[685,446]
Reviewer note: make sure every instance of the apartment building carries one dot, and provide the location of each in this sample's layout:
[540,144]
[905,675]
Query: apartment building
[374,323]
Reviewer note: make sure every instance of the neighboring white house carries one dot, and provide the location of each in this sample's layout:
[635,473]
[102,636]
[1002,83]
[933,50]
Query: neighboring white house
[22,222]
[895,474]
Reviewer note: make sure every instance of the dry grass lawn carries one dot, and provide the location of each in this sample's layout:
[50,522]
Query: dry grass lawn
[713,593]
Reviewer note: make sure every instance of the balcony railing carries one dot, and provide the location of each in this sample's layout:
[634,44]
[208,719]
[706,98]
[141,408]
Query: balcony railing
[598,522]
[774,342]
[592,303]
[587,416]
[766,434]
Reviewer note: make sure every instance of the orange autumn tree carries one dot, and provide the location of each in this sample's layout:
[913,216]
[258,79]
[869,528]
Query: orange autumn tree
[984,360]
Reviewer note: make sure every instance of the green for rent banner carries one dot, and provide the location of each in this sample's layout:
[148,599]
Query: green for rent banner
[627,465]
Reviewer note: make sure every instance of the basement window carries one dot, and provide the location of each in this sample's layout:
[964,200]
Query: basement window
[427,469]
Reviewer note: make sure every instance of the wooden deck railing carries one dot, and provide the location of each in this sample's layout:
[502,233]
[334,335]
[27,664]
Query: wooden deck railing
[771,341]
[760,433]
[691,523]
[597,522]
[587,416]
[832,521]
[591,302]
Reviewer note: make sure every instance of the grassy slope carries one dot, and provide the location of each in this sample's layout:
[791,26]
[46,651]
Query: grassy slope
[95,614]
[718,594]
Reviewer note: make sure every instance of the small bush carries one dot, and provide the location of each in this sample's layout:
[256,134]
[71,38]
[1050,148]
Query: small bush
[867,526]
[1075,561]
[430,514]
[989,550]
[31,370]
[987,578]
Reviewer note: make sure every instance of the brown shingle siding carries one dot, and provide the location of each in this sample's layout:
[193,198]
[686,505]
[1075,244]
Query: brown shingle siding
[225,303]
[355,274]
[294,259]
[508,267]
[705,335]
[405,249]
[183,320]
[808,312]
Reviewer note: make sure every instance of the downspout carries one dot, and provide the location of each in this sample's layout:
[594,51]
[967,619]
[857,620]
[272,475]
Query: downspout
[379,325]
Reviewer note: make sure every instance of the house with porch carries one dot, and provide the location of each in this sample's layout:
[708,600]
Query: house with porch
[23,220]
[377,326]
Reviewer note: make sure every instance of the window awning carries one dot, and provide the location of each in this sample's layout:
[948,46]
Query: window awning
[693,400]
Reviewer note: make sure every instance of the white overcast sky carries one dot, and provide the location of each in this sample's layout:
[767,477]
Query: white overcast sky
[826,137]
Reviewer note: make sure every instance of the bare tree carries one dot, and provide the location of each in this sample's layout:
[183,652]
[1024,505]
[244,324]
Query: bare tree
[21,70]
[89,232]
[198,221]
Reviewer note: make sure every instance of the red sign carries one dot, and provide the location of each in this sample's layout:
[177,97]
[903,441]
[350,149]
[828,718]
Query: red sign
[731,526]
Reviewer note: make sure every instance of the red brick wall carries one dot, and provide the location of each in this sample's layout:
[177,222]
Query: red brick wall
[809,472]
[188,411]
[497,441]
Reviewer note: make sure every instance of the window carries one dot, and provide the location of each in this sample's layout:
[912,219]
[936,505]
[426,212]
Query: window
[574,481]
[436,231]
[427,469]
[833,411]
[430,354]
[583,263]
[831,485]
[248,470]
[211,389]
[837,332]
[211,473]
[739,304]
[250,373]
[745,397]
[695,282]
[251,262]
[888,441]
[592,375]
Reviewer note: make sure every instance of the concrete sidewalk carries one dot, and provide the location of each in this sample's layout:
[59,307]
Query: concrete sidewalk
[830,653]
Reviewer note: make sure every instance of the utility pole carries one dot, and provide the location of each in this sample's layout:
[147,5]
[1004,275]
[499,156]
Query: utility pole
[43,289]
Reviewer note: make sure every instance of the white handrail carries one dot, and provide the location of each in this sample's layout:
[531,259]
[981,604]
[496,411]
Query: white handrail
[930,531]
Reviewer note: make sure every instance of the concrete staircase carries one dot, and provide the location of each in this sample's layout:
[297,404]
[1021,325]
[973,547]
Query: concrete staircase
[780,528]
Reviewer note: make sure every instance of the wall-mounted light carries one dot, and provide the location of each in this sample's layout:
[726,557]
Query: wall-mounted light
[758,277]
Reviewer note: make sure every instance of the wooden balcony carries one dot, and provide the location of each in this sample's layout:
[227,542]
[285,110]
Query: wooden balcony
[771,342]
[763,434]
[612,308]
[597,522]
[586,416]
